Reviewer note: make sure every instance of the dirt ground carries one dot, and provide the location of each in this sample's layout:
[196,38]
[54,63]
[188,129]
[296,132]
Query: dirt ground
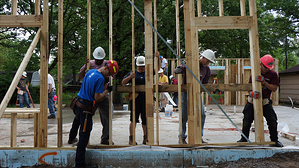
[289,159]
[279,160]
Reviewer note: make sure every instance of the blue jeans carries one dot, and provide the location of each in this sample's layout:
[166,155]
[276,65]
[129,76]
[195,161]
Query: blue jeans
[165,71]
[50,103]
[185,115]
[25,95]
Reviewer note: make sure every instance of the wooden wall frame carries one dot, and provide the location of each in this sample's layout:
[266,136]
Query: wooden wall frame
[191,25]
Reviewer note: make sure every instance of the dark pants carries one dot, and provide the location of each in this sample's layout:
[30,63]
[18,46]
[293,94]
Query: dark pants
[83,136]
[268,113]
[103,107]
[140,110]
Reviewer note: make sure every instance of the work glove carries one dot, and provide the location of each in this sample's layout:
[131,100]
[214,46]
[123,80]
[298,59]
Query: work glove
[255,94]
[109,88]
[261,79]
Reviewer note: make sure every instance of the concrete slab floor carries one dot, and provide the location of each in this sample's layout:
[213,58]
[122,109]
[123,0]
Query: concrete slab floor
[218,129]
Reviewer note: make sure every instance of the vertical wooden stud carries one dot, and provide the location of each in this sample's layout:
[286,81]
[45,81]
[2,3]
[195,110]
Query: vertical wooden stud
[256,70]
[156,76]
[37,7]
[14,7]
[221,13]
[60,69]
[88,32]
[242,6]
[179,76]
[44,58]
[133,69]
[110,58]
[13,130]
[149,71]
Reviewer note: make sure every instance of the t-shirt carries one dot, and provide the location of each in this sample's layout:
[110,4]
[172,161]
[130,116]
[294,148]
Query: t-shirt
[93,82]
[163,63]
[205,74]
[22,84]
[51,81]
[175,81]
[270,77]
[93,65]
[163,79]
[139,80]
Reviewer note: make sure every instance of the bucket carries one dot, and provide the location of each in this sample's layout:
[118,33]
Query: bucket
[168,110]
[125,107]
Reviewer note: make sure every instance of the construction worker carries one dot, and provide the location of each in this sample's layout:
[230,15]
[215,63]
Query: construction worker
[103,106]
[163,80]
[23,89]
[51,94]
[84,106]
[140,105]
[164,64]
[206,57]
[175,94]
[270,82]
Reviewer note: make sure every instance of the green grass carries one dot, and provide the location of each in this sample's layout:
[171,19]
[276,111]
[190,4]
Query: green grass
[67,97]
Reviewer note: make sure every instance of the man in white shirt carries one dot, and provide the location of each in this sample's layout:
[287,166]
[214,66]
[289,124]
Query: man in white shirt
[164,64]
[51,94]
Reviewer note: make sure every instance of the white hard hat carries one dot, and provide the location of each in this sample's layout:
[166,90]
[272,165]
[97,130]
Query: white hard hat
[39,71]
[160,71]
[209,54]
[170,77]
[24,74]
[140,61]
[99,53]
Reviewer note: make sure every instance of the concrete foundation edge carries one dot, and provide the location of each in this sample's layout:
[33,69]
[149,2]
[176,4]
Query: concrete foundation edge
[132,158]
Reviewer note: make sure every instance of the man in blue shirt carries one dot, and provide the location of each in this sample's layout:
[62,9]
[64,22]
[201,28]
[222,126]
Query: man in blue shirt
[91,91]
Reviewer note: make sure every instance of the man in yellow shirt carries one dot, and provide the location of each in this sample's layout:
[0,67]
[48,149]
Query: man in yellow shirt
[163,79]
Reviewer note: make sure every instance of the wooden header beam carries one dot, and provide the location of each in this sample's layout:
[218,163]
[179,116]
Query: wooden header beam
[21,20]
[174,88]
[224,22]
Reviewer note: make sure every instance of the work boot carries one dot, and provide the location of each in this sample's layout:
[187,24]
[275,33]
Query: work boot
[242,140]
[72,141]
[184,141]
[144,139]
[106,141]
[245,131]
[131,140]
[277,144]
[51,117]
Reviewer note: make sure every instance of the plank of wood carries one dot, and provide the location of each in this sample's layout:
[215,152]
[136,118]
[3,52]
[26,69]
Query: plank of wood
[224,22]
[21,20]
[288,136]
[22,110]
[174,88]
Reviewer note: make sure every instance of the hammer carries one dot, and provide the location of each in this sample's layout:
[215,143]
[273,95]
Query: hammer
[84,127]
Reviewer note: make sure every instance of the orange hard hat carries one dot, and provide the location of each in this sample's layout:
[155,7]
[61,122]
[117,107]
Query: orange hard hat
[268,61]
[113,67]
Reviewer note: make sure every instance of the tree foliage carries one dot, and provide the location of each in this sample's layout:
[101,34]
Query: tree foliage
[277,23]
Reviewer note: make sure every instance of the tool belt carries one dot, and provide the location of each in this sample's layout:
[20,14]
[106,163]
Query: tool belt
[90,108]
[265,101]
